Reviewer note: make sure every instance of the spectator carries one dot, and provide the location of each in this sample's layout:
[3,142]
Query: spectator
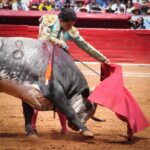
[67,4]
[86,2]
[34,4]
[59,4]
[45,6]
[80,6]
[1,4]
[135,11]
[20,5]
[109,4]
[6,4]
[148,12]
[53,4]
[129,7]
[102,3]
[14,5]
[138,23]
[93,7]
[27,2]
[118,7]
[147,22]
[143,4]
[23,4]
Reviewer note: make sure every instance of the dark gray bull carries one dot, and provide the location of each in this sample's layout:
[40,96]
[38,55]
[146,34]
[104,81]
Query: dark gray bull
[23,64]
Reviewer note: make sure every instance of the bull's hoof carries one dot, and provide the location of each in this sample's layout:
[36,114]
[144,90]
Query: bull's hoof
[32,136]
[88,134]
[30,132]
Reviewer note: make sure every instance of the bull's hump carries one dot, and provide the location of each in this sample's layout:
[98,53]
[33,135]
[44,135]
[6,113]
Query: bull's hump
[23,59]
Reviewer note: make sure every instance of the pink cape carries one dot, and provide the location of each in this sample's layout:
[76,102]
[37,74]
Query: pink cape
[112,94]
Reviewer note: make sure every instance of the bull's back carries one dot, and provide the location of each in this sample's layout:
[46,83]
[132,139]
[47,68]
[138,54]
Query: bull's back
[22,58]
[23,62]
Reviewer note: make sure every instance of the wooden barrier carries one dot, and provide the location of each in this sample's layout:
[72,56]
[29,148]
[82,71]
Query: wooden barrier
[119,45]
[84,20]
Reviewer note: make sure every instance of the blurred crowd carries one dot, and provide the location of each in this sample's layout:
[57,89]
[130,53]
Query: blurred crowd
[133,7]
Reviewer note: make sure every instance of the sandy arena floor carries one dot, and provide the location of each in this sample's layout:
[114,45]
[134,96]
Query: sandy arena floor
[108,135]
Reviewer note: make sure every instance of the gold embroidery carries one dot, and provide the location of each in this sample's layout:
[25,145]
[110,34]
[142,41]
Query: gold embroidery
[49,20]
[73,32]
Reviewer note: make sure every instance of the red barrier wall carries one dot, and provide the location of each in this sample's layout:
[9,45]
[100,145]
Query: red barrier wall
[84,20]
[119,45]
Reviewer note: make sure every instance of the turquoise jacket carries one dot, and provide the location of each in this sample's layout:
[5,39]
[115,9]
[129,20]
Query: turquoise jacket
[49,29]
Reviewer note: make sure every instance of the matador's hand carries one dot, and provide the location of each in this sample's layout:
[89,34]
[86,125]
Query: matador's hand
[107,61]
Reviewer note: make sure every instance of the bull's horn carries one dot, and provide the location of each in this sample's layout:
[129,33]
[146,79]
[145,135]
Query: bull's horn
[97,119]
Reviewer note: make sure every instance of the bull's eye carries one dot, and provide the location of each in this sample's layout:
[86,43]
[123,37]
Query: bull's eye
[18,54]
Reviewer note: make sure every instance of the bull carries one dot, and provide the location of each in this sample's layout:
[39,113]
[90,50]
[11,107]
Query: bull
[23,66]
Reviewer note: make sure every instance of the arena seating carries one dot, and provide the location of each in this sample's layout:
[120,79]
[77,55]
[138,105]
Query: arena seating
[121,45]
